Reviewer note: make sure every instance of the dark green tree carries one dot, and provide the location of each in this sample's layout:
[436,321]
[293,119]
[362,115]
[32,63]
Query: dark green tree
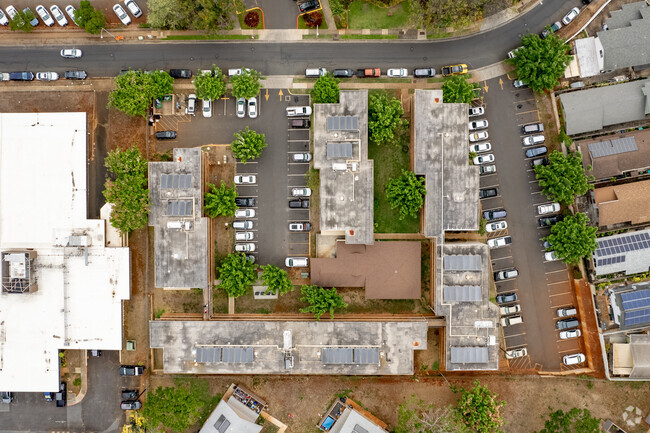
[162,83]
[479,409]
[276,279]
[247,84]
[406,193]
[210,85]
[22,21]
[248,144]
[237,274]
[220,201]
[563,178]
[91,19]
[326,90]
[457,89]
[321,301]
[126,189]
[572,238]
[574,421]
[541,62]
[384,117]
[135,91]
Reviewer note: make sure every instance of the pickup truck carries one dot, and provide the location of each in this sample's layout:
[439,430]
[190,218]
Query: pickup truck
[454,70]
[371,72]
[499,242]
[298,111]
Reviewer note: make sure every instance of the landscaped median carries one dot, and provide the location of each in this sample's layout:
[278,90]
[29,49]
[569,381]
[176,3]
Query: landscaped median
[252,19]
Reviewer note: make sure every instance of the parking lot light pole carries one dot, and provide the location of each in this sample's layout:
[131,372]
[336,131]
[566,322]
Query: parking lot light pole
[101,34]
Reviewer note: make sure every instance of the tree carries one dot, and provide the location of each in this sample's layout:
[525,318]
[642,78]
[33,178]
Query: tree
[414,416]
[210,85]
[22,21]
[326,90]
[247,84]
[457,89]
[436,15]
[572,238]
[563,178]
[237,274]
[276,279]
[541,62]
[220,201]
[406,193]
[161,83]
[479,409]
[574,421]
[321,301]
[248,144]
[134,91]
[91,19]
[384,117]
[189,14]
[127,190]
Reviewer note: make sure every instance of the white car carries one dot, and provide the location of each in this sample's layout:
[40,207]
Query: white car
[252,108]
[478,124]
[533,140]
[510,309]
[512,54]
[544,209]
[133,7]
[300,192]
[245,248]
[121,14]
[488,169]
[207,108]
[516,353]
[11,11]
[499,242]
[571,333]
[476,111]
[577,358]
[70,10]
[296,262]
[71,53]
[397,73]
[245,179]
[58,15]
[483,159]
[42,12]
[241,107]
[243,236]
[550,256]
[495,227]
[47,76]
[3,18]
[478,136]
[573,13]
[245,213]
[191,104]
[301,157]
[480,147]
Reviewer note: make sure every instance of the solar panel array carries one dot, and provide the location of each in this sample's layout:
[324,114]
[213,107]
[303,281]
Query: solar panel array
[179,207]
[350,355]
[175,181]
[613,147]
[469,355]
[339,150]
[222,424]
[610,260]
[623,244]
[461,293]
[636,307]
[342,123]
[462,263]
[229,354]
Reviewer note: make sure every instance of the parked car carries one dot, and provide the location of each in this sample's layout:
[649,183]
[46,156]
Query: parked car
[551,29]
[241,107]
[478,124]
[165,135]
[131,370]
[298,111]
[69,9]
[506,298]
[75,75]
[478,136]
[547,245]
[532,140]
[206,108]
[300,227]
[488,192]
[245,213]
[296,262]
[532,128]
[550,256]
[300,192]
[21,76]
[121,14]
[571,333]
[61,397]
[242,224]
[577,358]
[33,21]
[495,227]
[487,169]
[7,397]
[516,353]
[483,159]
[243,236]
[252,108]
[494,214]
[424,72]
[133,8]
[49,396]
[300,123]
[536,151]
[3,18]
[539,161]
[511,320]
[309,5]
[47,76]
[499,242]
[315,72]
[250,257]
[245,201]
[397,73]
[245,179]
[71,53]
[95,353]
[130,405]
[301,157]
[58,16]
[549,221]
[480,147]
[299,203]
[369,73]
[510,309]
[512,54]
[567,311]
[506,274]
[343,73]
[476,111]
[567,323]
[180,73]
[519,84]
[570,16]
[45,16]
[454,70]
[245,248]
[544,209]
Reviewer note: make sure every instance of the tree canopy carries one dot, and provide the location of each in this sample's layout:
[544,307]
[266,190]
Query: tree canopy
[574,421]
[134,91]
[457,89]
[237,274]
[189,14]
[220,201]
[541,62]
[563,178]
[572,238]
[406,193]
[247,84]
[210,85]
[479,409]
[321,301]
[326,90]
[21,21]
[127,189]
[248,144]
[276,279]
[436,15]
[91,19]
[384,117]
[414,416]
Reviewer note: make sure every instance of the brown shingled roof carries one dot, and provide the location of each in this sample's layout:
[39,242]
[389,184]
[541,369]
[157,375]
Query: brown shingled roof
[615,165]
[628,203]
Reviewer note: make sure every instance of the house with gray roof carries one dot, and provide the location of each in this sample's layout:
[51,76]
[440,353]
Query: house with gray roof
[237,412]
[628,253]
[594,109]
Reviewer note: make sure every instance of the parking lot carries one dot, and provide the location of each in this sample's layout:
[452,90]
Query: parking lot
[274,170]
[542,286]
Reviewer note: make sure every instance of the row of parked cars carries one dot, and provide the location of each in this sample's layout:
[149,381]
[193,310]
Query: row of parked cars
[67,53]
[424,72]
[55,14]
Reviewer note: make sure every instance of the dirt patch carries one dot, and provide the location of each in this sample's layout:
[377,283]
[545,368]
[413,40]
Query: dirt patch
[427,362]
[546,116]
[125,131]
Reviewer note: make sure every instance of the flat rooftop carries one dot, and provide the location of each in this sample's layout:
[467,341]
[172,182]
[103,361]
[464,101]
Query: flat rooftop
[263,347]
[181,243]
[441,155]
[346,174]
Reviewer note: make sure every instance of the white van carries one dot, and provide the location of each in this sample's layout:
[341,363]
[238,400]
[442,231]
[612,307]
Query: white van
[296,262]
[568,311]
[315,72]
[512,320]
[191,104]
[577,358]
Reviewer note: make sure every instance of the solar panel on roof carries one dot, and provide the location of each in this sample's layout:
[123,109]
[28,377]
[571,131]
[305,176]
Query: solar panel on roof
[636,317]
[236,355]
[469,355]
[175,181]
[462,263]
[613,147]
[208,354]
[461,293]
[366,355]
[358,429]
[179,208]
[337,355]
[222,424]
[342,123]
[339,150]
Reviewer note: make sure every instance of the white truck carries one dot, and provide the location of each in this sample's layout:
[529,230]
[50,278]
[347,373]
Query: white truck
[298,111]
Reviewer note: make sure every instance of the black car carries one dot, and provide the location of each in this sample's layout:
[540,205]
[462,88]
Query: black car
[494,214]
[506,298]
[75,75]
[299,203]
[165,135]
[245,201]
[180,73]
[536,151]
[424,72]
[6,397]
[309,5]
[567,323]
[129,394]
[131,370]
[549,221]
[62,395]
[343,73]
[488,192]
[21,76]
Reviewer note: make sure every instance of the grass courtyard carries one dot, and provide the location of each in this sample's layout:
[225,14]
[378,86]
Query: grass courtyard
[364,15]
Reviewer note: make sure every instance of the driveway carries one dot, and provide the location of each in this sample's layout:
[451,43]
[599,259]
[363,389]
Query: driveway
[277,14]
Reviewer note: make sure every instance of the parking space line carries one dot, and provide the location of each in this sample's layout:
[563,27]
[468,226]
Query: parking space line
[559,294]
[568,350]
[515,335]
[298,141]
[501,258]
[523,100]
[526,112]
[555,272]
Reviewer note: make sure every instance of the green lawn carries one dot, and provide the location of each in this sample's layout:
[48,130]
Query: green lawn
[303,25]
[362,15]
[368,36]
[260,24]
